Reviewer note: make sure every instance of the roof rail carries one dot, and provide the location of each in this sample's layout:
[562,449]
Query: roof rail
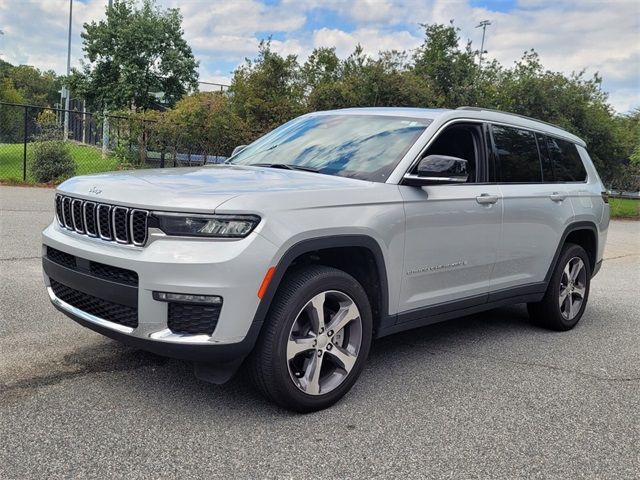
[480,109]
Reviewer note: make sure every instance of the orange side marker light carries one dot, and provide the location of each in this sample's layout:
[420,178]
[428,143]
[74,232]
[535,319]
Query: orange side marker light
[265,282]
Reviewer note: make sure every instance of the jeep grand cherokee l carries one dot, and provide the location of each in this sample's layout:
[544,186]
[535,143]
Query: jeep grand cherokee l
[336,228]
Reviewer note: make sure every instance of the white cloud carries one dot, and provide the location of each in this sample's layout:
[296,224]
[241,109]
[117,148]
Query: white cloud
[569,35]
[372,40]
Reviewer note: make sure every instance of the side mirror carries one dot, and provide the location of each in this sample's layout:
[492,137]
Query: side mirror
[238,149]
[438,169]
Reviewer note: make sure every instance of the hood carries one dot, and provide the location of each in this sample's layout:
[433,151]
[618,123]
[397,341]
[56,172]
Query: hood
[196,189]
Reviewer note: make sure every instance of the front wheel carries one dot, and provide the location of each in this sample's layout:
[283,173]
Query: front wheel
[315,341]
[566,296]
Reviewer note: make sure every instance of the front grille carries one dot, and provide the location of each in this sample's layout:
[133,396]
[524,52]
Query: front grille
[61,258]
[108,222]
[113,312]
[193,319]
[115,274]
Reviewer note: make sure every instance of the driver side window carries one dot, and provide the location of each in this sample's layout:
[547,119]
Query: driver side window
[458,141]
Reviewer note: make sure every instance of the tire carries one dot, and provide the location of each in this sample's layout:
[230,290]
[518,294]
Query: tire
[571,278]
[293,325]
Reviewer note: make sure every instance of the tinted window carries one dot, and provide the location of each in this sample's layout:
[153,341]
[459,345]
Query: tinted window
[567,165]
[367,147]
[517,155]
[545,159]
[457,141]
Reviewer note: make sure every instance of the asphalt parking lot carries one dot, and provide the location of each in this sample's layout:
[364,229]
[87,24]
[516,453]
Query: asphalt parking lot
[485,396]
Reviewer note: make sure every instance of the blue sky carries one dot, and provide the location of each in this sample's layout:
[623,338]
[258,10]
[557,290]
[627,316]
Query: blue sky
[570,35]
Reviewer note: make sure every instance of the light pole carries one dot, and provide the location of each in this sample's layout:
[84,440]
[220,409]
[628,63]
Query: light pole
[67,94]
[483,24]
[105,118]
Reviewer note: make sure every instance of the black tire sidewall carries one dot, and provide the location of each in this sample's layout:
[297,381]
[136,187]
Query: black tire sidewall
[330,279]
[570,251]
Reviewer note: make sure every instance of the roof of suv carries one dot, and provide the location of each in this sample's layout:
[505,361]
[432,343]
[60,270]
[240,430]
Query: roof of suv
[444,114]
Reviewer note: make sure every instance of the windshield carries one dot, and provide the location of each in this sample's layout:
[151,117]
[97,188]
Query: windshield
[367,147]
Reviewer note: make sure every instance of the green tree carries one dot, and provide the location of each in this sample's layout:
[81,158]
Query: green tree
[573,102]
[11,117]
[267,91]
[38,87]
[449,71]
[135,58]
[206,124]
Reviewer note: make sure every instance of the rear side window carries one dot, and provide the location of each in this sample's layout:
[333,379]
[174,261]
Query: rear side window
[545,159]
[566,161]
[517,155]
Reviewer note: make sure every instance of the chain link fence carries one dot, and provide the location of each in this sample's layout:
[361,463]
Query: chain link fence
[94,142]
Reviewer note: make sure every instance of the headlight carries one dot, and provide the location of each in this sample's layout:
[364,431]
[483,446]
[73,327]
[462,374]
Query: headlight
[223,226]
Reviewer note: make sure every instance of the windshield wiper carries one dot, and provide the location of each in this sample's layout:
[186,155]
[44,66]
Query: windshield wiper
[285,166]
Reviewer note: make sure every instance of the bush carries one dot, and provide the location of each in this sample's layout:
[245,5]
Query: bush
[51,161]
[628,179]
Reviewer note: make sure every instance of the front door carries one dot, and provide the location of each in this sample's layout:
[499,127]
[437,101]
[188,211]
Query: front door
[452,231]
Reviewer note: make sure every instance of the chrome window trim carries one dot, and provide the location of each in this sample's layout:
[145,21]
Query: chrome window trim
[440,180]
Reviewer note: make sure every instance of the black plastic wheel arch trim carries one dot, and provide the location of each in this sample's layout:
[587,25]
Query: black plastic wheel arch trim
[574,227]
[321,243]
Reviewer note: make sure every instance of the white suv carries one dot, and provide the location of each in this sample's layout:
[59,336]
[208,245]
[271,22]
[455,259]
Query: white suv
[334,229]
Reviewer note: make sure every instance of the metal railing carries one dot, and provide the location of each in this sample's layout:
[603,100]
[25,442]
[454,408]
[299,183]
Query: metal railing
[95,142]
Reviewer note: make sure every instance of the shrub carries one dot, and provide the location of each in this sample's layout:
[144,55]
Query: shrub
[51,161]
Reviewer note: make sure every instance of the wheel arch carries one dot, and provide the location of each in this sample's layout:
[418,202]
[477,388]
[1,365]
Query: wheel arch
[328,249]
[584,234]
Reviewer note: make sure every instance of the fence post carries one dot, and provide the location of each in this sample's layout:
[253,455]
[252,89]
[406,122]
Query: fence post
[24,152]
[105,133]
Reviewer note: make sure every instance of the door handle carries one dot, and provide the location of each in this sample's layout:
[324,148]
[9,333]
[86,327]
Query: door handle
[486,199]
[557,197]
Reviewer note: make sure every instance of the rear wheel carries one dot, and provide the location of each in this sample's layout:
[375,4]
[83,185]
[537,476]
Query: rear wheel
[315,341]
[566,296]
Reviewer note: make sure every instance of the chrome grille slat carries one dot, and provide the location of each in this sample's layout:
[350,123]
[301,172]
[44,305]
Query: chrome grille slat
[104,221]
[89,215]
[76,215]
[138,226]
[66,213]
[112,223]
[59,214]
[119,224]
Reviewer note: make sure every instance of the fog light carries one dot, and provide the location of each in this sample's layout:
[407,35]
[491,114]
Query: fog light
[186,298]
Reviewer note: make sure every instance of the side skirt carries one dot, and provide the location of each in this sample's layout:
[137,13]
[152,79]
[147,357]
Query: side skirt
[459,308]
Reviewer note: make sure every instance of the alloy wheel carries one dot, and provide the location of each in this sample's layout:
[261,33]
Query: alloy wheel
[324,342]
[572,288]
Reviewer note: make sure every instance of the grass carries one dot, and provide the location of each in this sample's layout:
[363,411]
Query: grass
[624,207]
[88,160]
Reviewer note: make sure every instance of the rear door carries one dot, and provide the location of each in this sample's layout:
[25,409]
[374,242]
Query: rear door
[536,209]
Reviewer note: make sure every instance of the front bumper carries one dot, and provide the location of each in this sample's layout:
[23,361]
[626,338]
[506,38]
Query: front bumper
[197,352]
[230,269]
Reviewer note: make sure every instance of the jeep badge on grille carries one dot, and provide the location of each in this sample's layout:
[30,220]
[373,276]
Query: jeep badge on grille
[95,190]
